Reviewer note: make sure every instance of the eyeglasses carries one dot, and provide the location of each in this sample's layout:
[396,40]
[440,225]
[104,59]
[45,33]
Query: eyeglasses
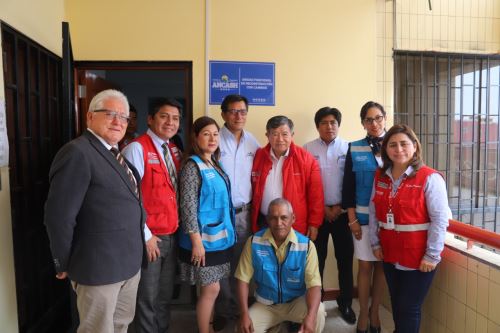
[378,119]
[242,112]
[332,123]
[111,115]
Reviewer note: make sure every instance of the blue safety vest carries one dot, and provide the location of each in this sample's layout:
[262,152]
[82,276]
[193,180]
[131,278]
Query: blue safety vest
[279,283]
[215,211]
[364,166]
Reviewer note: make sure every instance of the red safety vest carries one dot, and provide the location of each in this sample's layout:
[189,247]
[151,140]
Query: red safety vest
[159,197]
[407,242]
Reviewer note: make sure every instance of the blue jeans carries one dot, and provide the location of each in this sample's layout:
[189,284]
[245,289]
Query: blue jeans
[408,290]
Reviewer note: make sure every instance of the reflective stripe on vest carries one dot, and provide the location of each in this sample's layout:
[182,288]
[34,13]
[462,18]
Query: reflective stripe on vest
[407,227]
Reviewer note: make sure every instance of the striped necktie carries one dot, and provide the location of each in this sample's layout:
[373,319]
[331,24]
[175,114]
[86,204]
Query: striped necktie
[130,175]
[170,165]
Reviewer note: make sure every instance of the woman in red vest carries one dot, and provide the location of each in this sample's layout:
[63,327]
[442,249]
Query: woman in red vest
[408,219]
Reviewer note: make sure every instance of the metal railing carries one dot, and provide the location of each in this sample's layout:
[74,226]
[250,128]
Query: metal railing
[474,234]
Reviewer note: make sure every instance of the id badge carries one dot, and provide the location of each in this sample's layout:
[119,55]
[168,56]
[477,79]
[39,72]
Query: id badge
[390,221]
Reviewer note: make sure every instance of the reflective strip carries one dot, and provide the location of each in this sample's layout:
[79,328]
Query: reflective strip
[362,210]
[263,300]
[407,227]
[299,247]
[259,240]
[213,238]
[361,149]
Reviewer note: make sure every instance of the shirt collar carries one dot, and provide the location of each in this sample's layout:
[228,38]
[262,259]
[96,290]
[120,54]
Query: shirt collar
[273,156]
[156,139]
[107,145]
[292,237]
[408,171]
[226,132]
[327,144]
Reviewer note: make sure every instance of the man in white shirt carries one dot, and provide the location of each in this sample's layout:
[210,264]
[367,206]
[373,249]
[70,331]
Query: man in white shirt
[237,148]
[157,160]
[330,151]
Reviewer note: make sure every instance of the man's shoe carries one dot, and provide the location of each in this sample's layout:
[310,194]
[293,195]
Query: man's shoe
[347,314]
[219,323]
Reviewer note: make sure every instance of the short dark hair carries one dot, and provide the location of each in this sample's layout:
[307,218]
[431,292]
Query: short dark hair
[161,102]
[368,105]
[229,99]
[327,111]
[277,121]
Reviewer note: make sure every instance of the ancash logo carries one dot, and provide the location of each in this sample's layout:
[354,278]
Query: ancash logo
[225,83]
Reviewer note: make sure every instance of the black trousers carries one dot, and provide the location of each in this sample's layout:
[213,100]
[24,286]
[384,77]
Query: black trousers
[344,251]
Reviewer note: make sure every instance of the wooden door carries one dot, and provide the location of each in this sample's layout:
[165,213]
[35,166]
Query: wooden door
[32,78]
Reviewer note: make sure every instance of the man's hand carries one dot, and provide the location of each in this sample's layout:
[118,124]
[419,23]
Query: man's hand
[308,324]
[61,275]
[246,325]
[332,212]
[312,232]
[152,248]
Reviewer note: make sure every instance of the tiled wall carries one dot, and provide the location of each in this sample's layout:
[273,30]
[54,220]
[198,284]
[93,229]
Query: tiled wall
[465,294]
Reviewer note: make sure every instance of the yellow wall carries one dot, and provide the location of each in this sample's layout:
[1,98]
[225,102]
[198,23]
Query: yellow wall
[41,21]
[325,54]
[317,62]
[161,30]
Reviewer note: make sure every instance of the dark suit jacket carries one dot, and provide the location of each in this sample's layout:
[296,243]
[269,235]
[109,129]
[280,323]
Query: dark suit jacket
[93,218]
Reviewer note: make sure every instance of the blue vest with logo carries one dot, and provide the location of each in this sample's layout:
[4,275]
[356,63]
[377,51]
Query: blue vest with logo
[215,211]
[279,283]
[364,166]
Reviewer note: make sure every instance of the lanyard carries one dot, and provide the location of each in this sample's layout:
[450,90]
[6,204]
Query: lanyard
[393,196]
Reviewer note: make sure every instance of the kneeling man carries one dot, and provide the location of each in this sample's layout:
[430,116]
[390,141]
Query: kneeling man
[284,266]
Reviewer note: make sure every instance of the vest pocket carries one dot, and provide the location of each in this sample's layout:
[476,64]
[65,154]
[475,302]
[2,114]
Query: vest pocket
[293,277]
[214,235]
[270,275]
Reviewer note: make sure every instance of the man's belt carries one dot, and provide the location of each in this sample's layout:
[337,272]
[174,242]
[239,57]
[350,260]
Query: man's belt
[243,208]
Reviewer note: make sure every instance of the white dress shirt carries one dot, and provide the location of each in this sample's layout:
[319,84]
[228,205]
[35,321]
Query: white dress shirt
[331,158]
[237,159]
[274,182]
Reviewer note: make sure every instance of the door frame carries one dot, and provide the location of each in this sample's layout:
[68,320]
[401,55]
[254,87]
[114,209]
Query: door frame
[185,66]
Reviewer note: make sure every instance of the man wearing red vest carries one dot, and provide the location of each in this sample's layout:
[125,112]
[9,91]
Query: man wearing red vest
[157,161]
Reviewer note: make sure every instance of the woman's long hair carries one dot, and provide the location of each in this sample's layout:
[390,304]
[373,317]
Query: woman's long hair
[416,162]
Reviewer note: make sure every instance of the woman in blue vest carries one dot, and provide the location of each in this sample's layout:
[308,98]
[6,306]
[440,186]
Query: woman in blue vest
[207,219]
[362,160]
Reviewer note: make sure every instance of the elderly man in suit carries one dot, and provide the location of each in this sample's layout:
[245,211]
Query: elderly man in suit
[94,218]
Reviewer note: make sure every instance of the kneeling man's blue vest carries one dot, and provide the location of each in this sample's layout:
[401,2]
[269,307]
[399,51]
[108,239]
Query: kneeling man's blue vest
[279,283]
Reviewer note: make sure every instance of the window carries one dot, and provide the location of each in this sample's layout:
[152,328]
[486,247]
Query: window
[452,103]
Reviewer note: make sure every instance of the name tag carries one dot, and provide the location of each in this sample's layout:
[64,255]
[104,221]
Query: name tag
[153,161]
[382,185]
[390,221]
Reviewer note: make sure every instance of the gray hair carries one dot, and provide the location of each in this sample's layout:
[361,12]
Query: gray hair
[280,202]
[99,99]
[278,121]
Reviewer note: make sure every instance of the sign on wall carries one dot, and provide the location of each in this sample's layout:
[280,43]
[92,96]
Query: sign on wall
[254,80]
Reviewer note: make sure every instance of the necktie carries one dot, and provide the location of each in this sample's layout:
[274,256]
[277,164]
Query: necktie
[170,165]
[130,175]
